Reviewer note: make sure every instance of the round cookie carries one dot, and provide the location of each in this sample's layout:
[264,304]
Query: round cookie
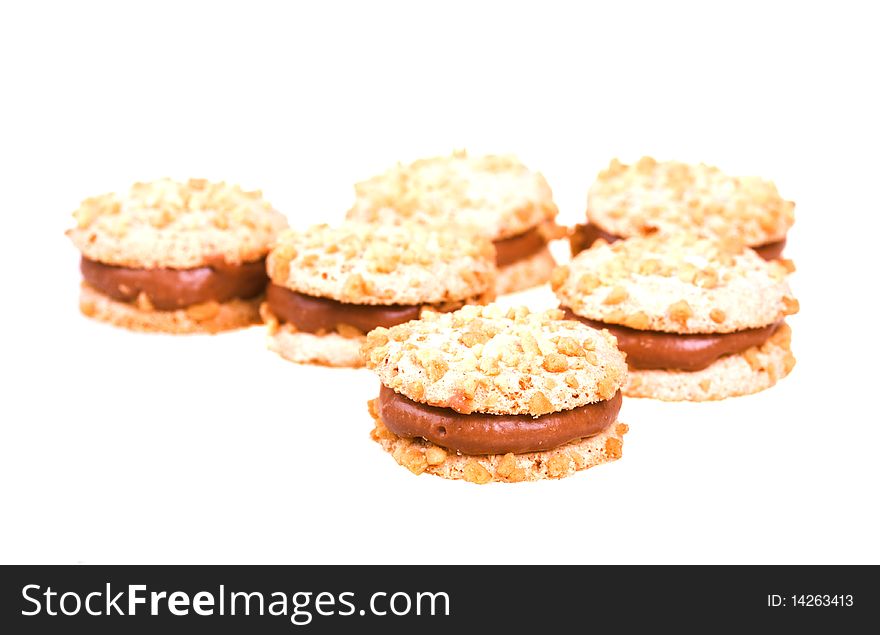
[331,285]
[175,257]
[699,319]
[492,394]
[668,197]
[497,195]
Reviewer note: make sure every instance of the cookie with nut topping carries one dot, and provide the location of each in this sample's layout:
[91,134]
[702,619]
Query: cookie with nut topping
[669,196]
[498,195]
[332,285]
[492,394]
[699,319]
[175,257]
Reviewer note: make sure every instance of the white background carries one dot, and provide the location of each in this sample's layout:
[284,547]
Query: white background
[123,447]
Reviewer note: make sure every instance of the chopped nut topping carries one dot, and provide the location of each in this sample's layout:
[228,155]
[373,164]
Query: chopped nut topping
[498,194]
[616,295]
[630,200]
[555,363]
[476,473]
[680,311]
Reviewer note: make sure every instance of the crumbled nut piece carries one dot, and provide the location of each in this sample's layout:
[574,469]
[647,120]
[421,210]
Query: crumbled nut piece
[472,338]
[687,272]
[588,283]
[399,332]
[506,465]
[787,265]
[613,448]
[460,402]
[558,465]
[435,455]
[346,330]
[144,303]
[706,278]
[638,320]
[555,363]
[616,295]
[476,473]
[417,391]
[436,368]
[414,460]
[203,311]
[790,305]
[649,267]
[381,432]
[607,387]
[539,404]
[88,308]
[569,346]
[530,344]
[680,312]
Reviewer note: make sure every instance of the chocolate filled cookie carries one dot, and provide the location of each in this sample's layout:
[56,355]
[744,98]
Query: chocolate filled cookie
[499,196]
[698,319]
[492,394]
[667,197]
[331,285]
[177,257]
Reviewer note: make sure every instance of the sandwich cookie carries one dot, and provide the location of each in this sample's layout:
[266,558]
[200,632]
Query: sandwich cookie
[668,197]
[697,319]
[492,394]
[498,195]
[177,257]
[331,285]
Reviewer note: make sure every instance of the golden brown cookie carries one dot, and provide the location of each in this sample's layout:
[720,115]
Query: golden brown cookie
[331,285]
[497,195]
[698,319]
[487,393]
[668,197]
[178,257]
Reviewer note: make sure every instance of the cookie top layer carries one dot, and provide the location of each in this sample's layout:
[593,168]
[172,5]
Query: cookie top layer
[362,263]
[677,283]
[496,360]
[650,196]
[174,224]
[496,194]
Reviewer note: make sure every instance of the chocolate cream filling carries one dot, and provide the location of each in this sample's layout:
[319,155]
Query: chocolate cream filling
[519,247]
[171,289]
[655,350]
[311,314]
[584,236]
[479,433]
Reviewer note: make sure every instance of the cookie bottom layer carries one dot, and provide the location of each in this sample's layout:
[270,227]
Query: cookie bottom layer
[526,273]
[421,456]
[209,317]
[331,349]
[751,371]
